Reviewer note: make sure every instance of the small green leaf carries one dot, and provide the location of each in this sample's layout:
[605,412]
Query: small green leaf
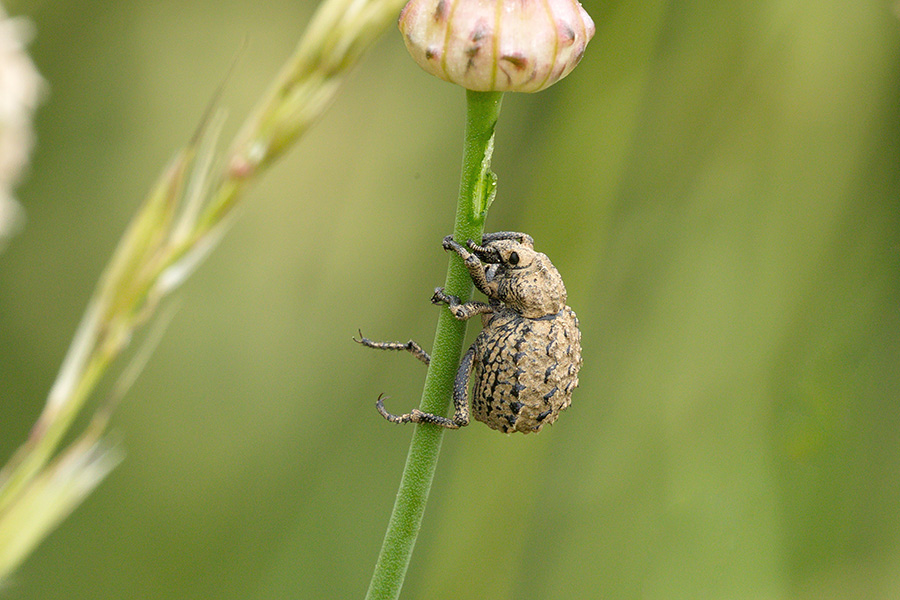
[488,193]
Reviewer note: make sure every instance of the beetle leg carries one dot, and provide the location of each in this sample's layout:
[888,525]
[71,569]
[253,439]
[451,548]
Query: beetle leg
[460,310]
[474,266]
[522,238]
[460,400]
[417,416]
[461,388]
[410,346]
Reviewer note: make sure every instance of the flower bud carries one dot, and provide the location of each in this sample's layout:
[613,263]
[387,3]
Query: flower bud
[497,45]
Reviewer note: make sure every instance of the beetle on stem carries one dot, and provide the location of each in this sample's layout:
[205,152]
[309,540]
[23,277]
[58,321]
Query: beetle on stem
[527,356]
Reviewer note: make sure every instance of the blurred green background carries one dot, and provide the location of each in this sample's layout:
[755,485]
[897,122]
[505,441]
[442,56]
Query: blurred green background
[717,182]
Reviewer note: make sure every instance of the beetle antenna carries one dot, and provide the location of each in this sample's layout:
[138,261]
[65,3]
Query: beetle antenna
[488,255]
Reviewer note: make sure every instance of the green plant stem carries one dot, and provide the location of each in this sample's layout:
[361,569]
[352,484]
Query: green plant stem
[475,192]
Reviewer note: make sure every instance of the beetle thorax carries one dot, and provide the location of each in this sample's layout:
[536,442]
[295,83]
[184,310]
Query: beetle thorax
[532,286]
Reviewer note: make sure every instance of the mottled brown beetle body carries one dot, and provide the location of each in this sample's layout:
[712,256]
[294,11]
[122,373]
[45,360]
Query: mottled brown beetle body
[525,369]
[527,356]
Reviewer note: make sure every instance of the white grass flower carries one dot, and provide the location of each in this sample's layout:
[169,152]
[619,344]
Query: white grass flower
[20,91]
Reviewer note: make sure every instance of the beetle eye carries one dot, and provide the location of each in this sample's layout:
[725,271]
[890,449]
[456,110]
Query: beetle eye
[513,258]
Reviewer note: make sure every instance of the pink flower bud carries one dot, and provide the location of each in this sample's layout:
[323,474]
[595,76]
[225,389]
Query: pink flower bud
[497,45]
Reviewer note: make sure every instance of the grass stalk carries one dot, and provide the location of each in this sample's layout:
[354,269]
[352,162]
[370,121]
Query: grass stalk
[476,191]
[179,223]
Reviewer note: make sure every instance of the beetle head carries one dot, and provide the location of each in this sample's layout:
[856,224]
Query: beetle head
[526,280]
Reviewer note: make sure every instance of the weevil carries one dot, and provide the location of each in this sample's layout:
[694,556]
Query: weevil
[527,357]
